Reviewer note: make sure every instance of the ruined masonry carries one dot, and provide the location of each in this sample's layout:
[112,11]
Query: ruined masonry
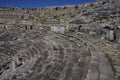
[71,42]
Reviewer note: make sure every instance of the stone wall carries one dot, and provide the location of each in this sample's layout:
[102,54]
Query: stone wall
[59,29]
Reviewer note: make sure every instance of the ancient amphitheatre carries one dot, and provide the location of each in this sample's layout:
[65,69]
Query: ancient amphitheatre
[71,42]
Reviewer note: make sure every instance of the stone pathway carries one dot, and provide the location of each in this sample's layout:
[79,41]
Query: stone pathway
[99,67]
[111,51]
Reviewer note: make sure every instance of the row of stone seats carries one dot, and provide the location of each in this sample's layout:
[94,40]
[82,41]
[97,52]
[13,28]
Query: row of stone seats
[55,71]
[4,59]
[50,57]
[83,49]
[40,62]
[30,53]
[49,66]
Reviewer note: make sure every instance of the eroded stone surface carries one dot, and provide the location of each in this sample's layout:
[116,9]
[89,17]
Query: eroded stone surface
[47,55]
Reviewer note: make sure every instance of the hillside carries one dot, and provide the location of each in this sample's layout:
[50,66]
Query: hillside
[71,42]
